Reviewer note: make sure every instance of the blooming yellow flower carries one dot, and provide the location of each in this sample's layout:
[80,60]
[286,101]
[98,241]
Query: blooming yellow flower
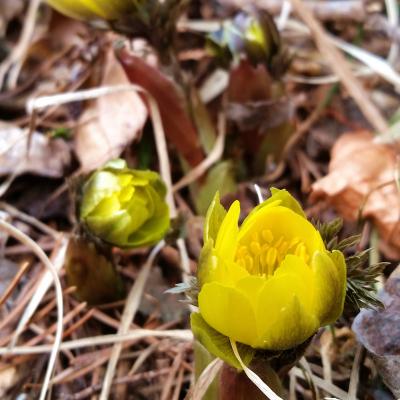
[93,9]
[125,207]
[271,283]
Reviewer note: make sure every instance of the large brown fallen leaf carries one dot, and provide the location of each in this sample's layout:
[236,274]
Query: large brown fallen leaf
[111,122]
[179,128]
[361,178]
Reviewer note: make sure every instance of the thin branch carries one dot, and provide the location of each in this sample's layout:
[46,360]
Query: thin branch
[26,240]
[131,306]
[212,158]
[340,66]
[137,334]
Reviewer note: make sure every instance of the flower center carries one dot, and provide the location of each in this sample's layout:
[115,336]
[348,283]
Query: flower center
[263,253]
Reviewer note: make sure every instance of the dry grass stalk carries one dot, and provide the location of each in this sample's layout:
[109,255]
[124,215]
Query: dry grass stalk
[131,306]
[10,230]
[340,66]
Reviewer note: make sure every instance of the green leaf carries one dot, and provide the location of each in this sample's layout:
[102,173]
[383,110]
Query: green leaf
[215,215]
[205,262]
[361,278]
[218,344]
[348,242]
[61,133]
[329,232]
[220,178]
[203,122]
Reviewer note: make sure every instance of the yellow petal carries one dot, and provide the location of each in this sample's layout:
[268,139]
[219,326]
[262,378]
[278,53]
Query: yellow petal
[107,207]
[330,285]
[73,9]
[251,287]
[293,326]
[338,259]
[102,184]
[226,243]
[287,200]
[282,222]
[215,215]
[228,311]
[214,269]
[299,278]
[278,198]
[283,314]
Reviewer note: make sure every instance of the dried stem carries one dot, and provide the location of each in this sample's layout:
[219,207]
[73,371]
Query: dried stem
[17,234]
[340,66]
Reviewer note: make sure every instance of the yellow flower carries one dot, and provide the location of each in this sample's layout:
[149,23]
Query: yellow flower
[125,207]
[271,283]
[93,9]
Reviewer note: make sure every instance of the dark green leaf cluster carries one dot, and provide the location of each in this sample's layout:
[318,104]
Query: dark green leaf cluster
[361,278]
[361,281]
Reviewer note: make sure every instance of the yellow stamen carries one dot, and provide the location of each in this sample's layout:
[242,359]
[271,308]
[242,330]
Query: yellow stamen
[263,255]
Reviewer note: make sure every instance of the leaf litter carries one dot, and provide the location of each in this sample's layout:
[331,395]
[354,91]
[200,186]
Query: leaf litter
[297,132]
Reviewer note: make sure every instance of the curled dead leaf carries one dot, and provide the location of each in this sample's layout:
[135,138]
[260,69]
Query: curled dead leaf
[361,181]
[111,122]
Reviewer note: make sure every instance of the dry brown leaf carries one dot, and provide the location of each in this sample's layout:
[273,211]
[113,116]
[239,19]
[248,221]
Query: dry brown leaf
[179,128]
[362,178]
[111,122]
[46,157]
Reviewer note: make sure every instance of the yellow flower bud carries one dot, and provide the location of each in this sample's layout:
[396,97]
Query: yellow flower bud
[125,207]
[93,9]
[271,283]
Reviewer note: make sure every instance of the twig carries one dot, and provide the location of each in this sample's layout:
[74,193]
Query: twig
[338,10]
[321,383]
[340,66]
[41,290]
[178,385]
[206,378]
[302,129]
[179,334]
[131,305]
[165,394]
[292,386]
[29,219]
[307,369]
[392,10]
[354,376]
[326,363]
[211,159]
[14,282]
[260,197]
[144,354]
[57,285]
[147,375]
[13,63]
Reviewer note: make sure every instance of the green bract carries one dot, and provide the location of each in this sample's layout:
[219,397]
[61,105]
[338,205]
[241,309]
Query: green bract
[125,207]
